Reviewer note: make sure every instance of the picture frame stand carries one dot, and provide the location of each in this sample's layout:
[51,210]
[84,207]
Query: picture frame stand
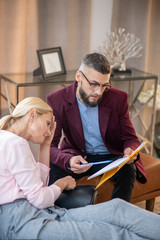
[37,72]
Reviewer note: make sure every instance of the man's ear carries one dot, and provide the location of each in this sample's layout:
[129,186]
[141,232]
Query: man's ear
[32,114]
[78,76]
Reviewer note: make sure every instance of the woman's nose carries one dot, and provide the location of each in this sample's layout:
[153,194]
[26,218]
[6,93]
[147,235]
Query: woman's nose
[49,132]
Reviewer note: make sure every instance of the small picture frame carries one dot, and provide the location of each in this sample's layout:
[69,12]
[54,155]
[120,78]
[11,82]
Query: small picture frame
[51,62]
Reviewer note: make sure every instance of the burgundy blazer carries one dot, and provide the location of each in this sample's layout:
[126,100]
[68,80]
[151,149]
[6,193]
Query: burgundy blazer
[116,128]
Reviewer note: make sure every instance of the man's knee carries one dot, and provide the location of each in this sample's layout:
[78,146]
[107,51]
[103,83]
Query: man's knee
[126,174]
[128,171]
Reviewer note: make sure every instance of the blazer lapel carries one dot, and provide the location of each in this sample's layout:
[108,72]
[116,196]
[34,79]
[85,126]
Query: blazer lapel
[74,119]
[104,115]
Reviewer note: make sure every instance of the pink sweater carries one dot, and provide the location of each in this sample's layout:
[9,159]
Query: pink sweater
[21,176]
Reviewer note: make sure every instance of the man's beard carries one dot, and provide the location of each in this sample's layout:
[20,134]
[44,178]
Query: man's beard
[85,99]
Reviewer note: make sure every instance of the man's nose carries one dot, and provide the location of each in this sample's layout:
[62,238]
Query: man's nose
[99,90]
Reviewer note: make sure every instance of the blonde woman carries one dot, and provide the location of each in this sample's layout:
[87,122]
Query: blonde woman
[27,208]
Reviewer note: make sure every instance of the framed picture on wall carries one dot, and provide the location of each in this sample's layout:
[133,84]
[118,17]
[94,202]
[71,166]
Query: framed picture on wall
[51,62]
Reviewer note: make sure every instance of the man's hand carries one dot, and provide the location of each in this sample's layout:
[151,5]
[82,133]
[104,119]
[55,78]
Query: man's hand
[75,164]
[129,151]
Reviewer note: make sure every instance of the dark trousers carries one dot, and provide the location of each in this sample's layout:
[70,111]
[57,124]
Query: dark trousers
[123,180]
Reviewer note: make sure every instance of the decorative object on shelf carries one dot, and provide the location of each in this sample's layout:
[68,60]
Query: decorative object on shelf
[146,97]
[120,46]
[51,63]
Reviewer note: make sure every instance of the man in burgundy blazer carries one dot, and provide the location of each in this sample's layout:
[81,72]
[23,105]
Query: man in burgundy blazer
[92,91]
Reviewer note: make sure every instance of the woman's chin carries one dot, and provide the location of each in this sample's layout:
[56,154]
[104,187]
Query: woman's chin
[37,141]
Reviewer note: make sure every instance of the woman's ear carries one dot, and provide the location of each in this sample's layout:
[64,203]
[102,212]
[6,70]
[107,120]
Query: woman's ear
[32,114]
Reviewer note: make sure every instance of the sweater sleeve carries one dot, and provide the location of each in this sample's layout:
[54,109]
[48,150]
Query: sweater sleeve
[29,177]
[44,173]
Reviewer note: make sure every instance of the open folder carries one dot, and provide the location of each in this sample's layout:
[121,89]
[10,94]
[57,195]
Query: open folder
[113,167]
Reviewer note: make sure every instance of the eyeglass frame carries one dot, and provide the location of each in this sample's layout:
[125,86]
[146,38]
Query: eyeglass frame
[92,85]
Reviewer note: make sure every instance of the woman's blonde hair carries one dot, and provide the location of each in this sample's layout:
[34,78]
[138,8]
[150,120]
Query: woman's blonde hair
[22,109]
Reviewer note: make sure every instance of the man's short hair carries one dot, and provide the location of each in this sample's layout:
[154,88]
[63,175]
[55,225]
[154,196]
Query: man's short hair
[98,62]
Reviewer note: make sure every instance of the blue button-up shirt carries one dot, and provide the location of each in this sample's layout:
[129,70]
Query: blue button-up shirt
[93,139]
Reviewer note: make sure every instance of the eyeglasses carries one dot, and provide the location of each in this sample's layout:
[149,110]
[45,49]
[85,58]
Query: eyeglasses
[95,85]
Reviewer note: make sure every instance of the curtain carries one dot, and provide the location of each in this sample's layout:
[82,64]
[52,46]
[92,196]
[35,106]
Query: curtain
[141,18]
[28,25]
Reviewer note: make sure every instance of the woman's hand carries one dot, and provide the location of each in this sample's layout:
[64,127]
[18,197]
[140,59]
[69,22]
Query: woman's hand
[44,153]
[51,131]
[66,183]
